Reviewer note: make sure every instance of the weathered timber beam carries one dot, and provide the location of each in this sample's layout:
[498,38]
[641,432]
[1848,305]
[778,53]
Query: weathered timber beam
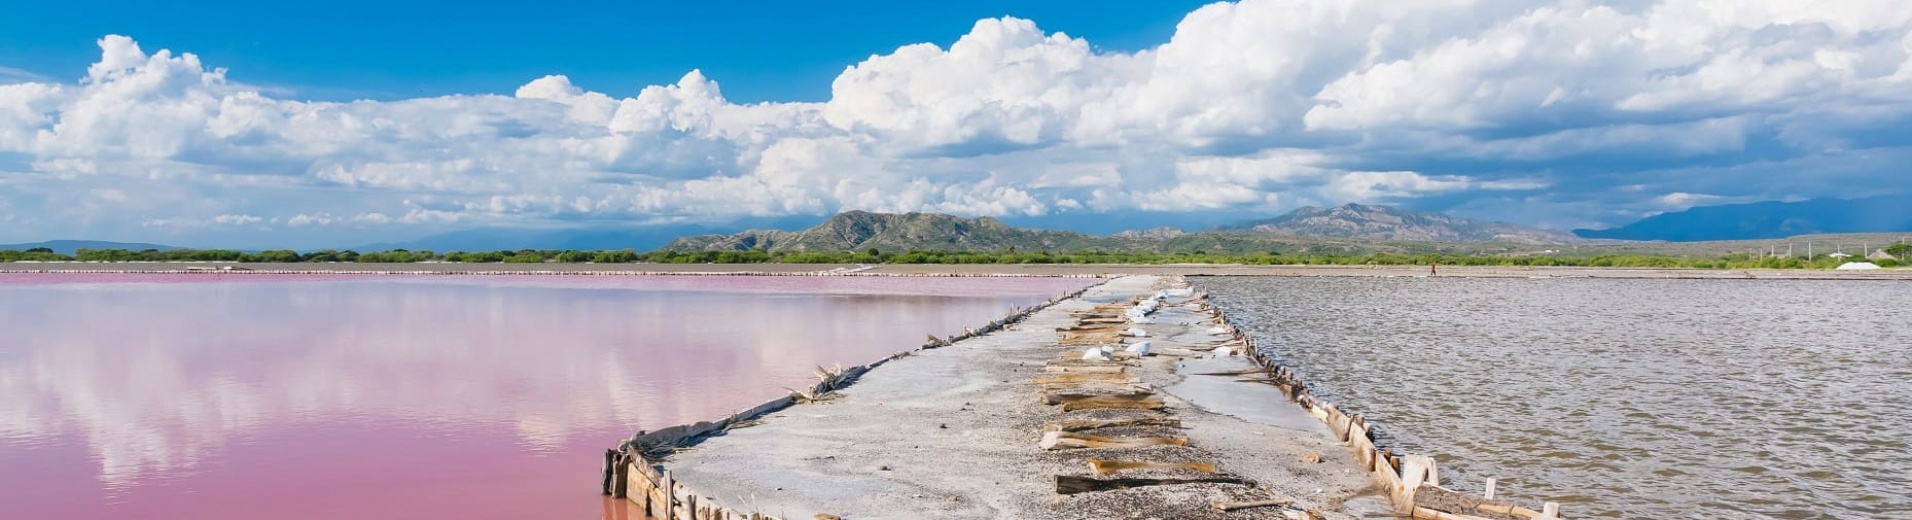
[1133,403]
[1071,440]
[1072,425]
[1071,484]
[1087,363]
[1083,378]
[1445,500]
[1104,467]
[1232,506]
[1084,369]
[1078,394]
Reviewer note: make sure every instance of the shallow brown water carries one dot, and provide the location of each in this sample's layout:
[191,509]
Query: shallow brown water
[247,397]
[1618,398]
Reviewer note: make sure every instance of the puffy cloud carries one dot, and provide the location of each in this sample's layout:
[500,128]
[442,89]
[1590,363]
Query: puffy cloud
[1004,85]
[1684,60]
[238,220]
[1258,105]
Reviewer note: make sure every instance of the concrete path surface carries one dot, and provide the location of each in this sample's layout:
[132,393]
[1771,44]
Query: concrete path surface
[953,432]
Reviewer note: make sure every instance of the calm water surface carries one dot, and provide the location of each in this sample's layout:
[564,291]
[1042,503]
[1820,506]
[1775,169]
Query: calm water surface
[248,397]
[1618,398]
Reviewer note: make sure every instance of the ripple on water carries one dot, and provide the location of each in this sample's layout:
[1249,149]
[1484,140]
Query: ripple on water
[1617,398]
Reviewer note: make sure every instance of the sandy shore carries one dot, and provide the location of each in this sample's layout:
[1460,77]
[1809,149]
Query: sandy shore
[953,433]
[979,270]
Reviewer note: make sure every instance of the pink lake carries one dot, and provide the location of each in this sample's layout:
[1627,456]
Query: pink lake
[262,396]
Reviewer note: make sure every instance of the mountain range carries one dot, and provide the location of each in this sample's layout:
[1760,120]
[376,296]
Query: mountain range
[1771,219]
[859,230]
[1345,228]
[584,239]
[1300,230]
[1388,223]
[67,247]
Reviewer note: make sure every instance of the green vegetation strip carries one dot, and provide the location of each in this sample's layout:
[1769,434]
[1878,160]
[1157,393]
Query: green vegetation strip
[872,256]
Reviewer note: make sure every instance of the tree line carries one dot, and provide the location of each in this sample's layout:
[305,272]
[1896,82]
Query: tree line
[874,256]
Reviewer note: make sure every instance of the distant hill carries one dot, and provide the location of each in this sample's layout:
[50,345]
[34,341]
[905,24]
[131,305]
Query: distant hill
[67,247]
[1163,232]
[1386,223]
[504,239]
[860,230]
[634,238]
[1771,219]
[1115,222]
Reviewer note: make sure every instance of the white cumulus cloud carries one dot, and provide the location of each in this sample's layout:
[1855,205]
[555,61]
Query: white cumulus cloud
[1257,105]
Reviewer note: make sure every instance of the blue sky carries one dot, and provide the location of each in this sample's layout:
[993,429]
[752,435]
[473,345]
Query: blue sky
[351,49]
[305,125]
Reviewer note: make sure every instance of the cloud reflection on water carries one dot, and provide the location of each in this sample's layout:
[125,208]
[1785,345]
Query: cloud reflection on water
[154,380]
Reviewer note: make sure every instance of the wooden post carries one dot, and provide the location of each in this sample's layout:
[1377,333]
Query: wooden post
[647,488]
[620,477]
[610,462]
[670,496]
[1415,470]
[1490,490]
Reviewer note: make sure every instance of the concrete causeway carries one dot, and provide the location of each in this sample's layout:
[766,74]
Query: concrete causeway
[956,432]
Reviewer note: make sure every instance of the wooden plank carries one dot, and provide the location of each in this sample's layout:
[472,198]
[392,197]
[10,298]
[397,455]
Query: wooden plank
[1363,451]
[1385,473]
[1232,506]
[1104,467]
[1180,352]
[1070,484]
[1096,386]
[1072,440]
[1242,372]
[1088,363]
[1071,425]
[1084,369]
[1448,501]
[640,482]
[1422,513]
[1113,327]
[1069,395]
[1087,338]
[1114,388]
[1084,378]
[1143,403]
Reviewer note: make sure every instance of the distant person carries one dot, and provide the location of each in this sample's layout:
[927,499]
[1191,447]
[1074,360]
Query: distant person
[1432,267]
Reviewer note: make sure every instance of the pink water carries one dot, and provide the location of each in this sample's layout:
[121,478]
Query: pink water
[253,396]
